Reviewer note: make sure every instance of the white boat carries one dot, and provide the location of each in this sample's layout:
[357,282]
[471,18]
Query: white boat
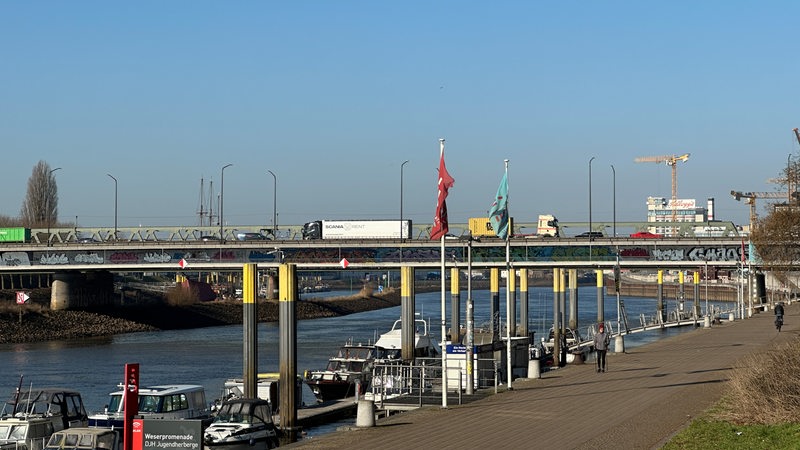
[347,371]
[30,417]
[424,345]
[267,388]
[175,401]
[242,424]
[573,341]
[392,376]
[84,439]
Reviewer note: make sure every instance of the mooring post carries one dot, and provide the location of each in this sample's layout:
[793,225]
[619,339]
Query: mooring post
[511,302]
[556,316]
[523,303]
[494,293]
[573,298]
[601,298]
[660,298]
[455,306]
[407,309]
[696,306]
[287,325]
[250,331]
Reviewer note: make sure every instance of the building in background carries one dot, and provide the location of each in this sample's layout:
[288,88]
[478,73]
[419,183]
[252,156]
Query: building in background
[683,211]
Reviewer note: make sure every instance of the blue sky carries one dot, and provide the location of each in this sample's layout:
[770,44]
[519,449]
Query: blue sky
[334,96]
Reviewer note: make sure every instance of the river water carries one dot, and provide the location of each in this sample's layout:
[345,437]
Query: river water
[208,356]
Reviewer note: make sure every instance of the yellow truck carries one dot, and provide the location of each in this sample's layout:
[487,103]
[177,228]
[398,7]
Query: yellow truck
[482,227]
[547,226]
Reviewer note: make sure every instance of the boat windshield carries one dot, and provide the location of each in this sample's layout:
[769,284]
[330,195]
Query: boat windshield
[13,432]
[115,403]
[356,353]
[234,413]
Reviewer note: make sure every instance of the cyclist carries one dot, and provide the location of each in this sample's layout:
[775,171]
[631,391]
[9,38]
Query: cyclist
[779,315]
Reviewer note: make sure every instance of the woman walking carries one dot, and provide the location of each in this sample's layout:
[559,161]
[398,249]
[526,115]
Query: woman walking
[601,341]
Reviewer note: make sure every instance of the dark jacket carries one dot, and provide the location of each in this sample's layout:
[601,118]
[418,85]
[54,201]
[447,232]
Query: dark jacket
[779,310]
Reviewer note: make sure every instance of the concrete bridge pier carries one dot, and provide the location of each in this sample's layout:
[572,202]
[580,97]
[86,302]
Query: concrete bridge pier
[72,290]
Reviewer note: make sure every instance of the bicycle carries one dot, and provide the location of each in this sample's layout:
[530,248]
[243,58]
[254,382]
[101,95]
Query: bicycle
[778,323]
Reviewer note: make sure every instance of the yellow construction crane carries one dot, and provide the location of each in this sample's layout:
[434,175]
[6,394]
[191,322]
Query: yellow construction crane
[672,161]
[751,200]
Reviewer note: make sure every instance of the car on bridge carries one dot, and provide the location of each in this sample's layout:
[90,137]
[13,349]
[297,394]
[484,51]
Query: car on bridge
[646,235]
[590,234]
[251,237]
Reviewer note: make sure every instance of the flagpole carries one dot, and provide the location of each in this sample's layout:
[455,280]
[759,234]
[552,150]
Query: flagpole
[444,312]
[509,305]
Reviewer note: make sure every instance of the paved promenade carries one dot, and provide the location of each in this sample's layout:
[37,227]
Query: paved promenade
[647,394]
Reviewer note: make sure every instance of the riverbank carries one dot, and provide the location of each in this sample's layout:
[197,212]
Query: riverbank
[35,322]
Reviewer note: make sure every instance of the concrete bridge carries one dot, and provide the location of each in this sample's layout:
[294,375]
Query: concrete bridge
[91,261]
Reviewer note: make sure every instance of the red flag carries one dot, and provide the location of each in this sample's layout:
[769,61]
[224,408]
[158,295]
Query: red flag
[440,227]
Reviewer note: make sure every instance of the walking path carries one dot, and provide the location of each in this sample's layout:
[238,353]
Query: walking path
[647,394]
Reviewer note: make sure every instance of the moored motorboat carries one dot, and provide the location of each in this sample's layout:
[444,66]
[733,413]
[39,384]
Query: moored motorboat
[30,417]
[347,370]
[84,438]
[267,388]
[572,344]
[175,401]
[242,424]
[425,346]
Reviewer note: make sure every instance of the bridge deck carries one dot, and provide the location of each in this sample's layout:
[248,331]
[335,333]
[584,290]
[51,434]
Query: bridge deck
[647,394]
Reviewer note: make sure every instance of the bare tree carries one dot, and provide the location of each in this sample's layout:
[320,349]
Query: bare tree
[40,207]
[777,235]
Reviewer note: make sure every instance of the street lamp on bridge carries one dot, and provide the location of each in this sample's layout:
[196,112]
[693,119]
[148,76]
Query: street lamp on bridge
[221,201]
[614,197]
[401,205]
[115,204]
[49,205]
[274,203]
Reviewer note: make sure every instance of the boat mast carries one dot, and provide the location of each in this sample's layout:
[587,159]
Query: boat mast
[202,211]
[210,202]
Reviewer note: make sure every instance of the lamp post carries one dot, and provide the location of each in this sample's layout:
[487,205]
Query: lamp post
[401,205]
[706,261]
[470,337]
[49,206]
[221,201]
[274,204]
[590,198]
[788,180]
[614,197]
[115,204]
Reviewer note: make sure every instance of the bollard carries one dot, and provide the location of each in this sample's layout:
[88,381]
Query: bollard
[365,417]
[730,317]
[534,370]
[707,322]
[619,344]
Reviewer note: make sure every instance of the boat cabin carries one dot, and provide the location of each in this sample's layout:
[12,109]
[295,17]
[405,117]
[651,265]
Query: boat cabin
[84,439]
[179,401]
[424,345]
[64,407]
[267,388]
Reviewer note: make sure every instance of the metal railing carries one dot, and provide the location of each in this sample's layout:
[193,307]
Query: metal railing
[406,386]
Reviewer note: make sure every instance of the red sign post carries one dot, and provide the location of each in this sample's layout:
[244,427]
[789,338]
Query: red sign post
[130,403]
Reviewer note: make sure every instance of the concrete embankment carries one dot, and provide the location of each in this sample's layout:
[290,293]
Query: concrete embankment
[716,292]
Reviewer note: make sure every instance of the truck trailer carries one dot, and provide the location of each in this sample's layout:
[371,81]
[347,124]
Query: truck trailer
[357,229]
